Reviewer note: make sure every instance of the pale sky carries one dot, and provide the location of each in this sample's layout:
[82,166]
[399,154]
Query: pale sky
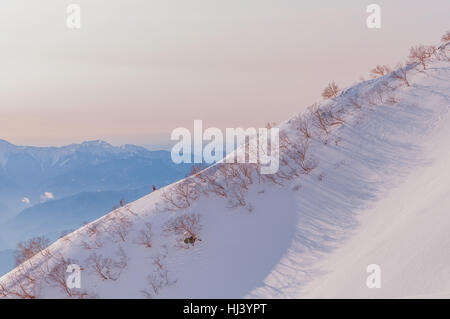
[137,69]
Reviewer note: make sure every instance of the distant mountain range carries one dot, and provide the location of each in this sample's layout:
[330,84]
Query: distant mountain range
[45,190]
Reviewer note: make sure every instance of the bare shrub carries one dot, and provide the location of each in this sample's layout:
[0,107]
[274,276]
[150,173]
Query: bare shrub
[200,177]
[282,174]
[122,263]
[105,267]
[57,277]
[286,163]
[401,74]
[446,37]
[236,178]
[124,206]
[355,101]
[236,197]
[145,236]
[272,178]
[44,266]
[158,261]
[385,93]
[331,91]
[4,292]
[420,54]
[319,119]
[379,92]
[248,170]
[224,170]
[241,174]
[440,54]
[334,117]
[181,195]
[284,143]
[387,86]
[214,186]
[91,229]
[23,284]
[92,244]
[391,100]
[120,228]
[230,174]
[157,281]
[196,169]
[433,51]
[304,127]
[101,266]
[325,118]
[66,235]
[380,70]
[27,249]
[300,155]
[184,226]
[370,98]
[129,210]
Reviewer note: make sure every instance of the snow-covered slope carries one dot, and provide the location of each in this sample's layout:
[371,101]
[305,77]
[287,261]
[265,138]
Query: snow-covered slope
[47,190]
[371,188]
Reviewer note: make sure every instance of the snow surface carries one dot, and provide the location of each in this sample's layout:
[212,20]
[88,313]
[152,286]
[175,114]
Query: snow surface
[378,196]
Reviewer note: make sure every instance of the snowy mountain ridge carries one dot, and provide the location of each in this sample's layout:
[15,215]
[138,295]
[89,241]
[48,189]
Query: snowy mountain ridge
[341,201]
[50,156]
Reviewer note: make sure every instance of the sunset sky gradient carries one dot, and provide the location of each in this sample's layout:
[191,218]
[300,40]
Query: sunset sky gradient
[137,69]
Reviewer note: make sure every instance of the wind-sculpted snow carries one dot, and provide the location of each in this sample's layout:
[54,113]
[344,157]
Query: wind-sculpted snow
[362,181]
